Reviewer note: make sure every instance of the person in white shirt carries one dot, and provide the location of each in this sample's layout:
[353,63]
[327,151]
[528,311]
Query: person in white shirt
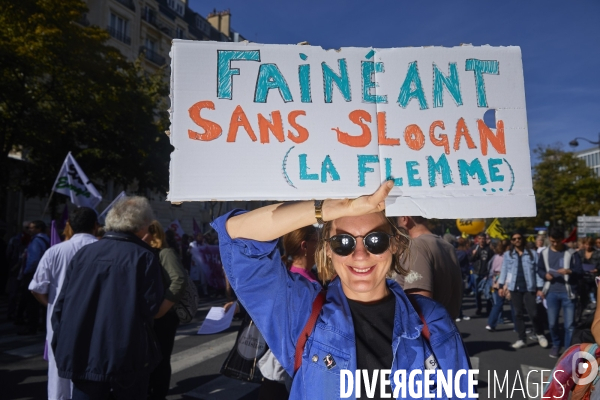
[47,283]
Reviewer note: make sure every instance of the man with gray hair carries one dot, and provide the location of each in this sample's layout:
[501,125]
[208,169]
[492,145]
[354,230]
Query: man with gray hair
[102,321]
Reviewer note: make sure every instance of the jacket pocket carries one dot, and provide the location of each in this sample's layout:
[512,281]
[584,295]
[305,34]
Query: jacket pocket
[326,358]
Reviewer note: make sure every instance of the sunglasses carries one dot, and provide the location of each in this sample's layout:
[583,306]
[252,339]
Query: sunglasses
[516,238]
[375,243]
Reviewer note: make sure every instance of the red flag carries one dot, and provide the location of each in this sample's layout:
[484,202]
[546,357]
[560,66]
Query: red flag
[572,237]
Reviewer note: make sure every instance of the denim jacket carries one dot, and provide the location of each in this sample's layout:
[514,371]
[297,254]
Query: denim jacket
[280,303]
[509,270]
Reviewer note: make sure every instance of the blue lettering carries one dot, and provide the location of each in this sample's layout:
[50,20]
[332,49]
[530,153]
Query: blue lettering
[388,172]
[472,169]
[363,160]
[225,72]
[369,68]
[451,82]
[342,81]
[412,87]
[481,67]
[413,180]
[442,167]
[304,175]
[269,77]
[328,168]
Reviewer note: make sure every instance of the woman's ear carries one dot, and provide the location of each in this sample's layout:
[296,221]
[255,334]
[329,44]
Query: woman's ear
[303,245]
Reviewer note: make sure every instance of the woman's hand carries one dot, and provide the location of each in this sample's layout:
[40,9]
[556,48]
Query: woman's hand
[334,209]
[278,219]
[549,277]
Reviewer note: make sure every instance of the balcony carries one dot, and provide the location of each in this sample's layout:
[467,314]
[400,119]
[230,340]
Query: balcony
[128,4]
[151,55]
[119,35]
[150,17]
[167,12]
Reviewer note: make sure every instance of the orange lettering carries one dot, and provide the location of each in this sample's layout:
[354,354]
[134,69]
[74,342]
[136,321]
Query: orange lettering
[381,131]
[413,135]
[462,130]
[265,125]
[356,116]
[443,140]
[212,130]
[302,131]
[496,140]
[239,118]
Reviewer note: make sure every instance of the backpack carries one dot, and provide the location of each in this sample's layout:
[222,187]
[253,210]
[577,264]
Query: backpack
[187,305]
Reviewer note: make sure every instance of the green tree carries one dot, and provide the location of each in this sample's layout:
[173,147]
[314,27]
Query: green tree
[564,188]
[64,89]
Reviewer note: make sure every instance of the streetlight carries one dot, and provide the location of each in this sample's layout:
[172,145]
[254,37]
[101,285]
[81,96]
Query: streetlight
[575,143]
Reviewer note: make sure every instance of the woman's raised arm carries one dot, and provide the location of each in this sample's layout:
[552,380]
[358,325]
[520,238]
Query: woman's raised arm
[270,222]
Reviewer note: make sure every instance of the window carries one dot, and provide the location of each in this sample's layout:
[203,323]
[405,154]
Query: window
[119,28]
[202,25]
[150,44]
[180,33]
[177,6]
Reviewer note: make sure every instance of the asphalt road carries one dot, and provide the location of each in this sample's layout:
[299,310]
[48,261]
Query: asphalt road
[197,359]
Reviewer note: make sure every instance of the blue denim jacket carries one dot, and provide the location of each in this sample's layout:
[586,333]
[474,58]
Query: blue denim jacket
[280,304]
[509,267]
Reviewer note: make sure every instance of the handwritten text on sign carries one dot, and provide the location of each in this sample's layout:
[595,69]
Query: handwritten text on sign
[270,122]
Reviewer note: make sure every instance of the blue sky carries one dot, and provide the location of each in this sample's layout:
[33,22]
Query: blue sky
[560,43]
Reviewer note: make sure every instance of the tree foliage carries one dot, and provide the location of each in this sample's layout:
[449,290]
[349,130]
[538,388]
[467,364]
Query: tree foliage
[64,89]
[564,188]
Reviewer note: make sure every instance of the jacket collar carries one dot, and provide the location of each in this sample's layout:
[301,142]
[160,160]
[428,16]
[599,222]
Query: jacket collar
[126,237]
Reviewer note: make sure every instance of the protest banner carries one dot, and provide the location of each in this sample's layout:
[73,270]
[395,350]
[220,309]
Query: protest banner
[175,226]
[290,122]
[206,259]
[73,182]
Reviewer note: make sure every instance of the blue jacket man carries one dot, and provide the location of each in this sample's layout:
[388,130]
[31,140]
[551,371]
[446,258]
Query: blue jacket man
[519,277]
[282,306]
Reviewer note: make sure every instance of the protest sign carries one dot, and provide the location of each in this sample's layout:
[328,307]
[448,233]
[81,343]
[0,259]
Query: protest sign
[289,122]
[73,182]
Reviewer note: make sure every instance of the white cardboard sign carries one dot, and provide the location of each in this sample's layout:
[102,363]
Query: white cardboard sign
[289,122]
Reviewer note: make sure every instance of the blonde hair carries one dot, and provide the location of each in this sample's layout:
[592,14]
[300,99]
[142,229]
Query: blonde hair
[400,242]
[156,231]
[68,231]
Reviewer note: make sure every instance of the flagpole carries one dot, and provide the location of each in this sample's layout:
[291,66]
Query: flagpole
[47,204]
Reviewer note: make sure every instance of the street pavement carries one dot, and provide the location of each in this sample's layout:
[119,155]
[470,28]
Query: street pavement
[197,359]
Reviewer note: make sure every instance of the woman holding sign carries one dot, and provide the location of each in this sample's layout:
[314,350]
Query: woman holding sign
[366,322]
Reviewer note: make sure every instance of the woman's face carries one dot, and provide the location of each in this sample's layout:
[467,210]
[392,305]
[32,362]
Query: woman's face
[361,273]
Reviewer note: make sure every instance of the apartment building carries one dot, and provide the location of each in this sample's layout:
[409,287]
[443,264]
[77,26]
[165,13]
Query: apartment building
[147,27]
[591,158]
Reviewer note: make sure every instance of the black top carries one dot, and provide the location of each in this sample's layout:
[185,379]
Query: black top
[373,329]
[520,283]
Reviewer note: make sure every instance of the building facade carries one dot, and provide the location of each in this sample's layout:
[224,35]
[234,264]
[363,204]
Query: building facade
[591,158]
[146,27]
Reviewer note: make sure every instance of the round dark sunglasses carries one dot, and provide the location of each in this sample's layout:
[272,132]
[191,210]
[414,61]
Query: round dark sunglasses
[344,243]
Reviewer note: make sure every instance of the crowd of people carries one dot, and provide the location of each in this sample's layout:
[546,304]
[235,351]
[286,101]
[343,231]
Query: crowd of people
[109,293]
[539,278]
